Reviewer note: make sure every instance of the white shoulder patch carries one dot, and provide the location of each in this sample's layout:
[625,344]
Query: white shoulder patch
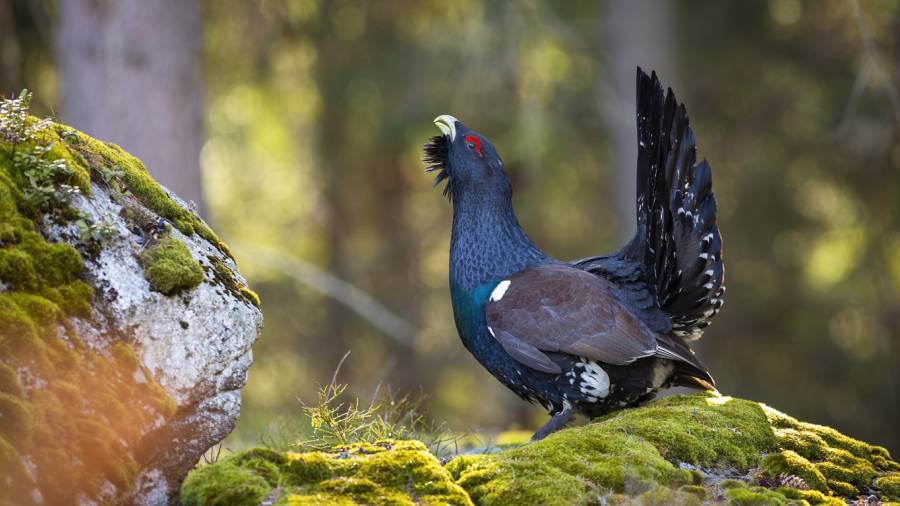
[500,290]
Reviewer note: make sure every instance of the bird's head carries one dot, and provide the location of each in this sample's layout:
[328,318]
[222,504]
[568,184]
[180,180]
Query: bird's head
[467,161]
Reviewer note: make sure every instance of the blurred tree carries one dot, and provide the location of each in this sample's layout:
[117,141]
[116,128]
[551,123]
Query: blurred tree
[654,49]
[132,74]
[10,54]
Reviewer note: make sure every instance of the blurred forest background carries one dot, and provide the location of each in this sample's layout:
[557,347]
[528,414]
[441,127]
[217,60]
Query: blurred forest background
[297,126]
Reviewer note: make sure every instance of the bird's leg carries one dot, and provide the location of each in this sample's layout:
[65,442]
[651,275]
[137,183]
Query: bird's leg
[556,422]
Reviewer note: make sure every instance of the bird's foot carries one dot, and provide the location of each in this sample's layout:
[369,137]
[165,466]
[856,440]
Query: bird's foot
[556,422]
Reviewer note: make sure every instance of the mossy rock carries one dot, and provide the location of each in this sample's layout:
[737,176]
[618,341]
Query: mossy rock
[385,472]
[83,417]
[672,451]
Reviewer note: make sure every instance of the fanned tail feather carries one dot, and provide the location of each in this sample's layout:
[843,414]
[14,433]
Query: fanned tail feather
[678,240]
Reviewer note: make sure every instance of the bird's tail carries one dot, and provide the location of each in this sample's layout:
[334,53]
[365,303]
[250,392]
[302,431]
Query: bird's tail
[677,240]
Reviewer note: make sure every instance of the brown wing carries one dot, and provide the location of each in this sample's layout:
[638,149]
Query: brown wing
[559,308]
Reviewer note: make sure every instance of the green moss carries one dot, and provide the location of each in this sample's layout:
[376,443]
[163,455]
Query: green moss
[890,486]
[16,418]
[224,484]
[628,452]
[222,275]
[169,267]
[112,162]
[388,472]
[696,490]
[633,452]
[753,496]
[9,381]
[790,463]
[249,295]
[17,269]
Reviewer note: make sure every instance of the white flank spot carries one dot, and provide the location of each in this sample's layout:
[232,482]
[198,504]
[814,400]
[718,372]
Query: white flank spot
[709,272]
[708,237]
[595,381]
[500,290]
[704,255]
[708,286]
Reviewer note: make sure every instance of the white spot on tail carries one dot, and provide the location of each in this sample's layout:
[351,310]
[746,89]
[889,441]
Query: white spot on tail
[500,290]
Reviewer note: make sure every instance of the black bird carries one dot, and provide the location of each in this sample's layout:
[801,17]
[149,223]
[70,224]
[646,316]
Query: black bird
[601,333]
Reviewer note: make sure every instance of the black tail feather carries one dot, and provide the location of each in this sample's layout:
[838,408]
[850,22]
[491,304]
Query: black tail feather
[678,239]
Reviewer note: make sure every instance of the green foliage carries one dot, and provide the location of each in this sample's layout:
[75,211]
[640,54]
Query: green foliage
[15,124]
[336,420]
[90,231]
[170,268]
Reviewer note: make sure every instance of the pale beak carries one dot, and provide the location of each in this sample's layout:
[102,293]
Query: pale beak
[447,124]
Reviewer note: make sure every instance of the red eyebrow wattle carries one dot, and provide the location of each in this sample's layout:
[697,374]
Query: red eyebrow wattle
[474,140]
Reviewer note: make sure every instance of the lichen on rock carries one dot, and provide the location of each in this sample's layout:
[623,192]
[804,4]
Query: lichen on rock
[685,449]
[89,412]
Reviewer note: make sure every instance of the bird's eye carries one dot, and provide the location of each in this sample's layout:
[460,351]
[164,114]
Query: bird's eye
[474,144]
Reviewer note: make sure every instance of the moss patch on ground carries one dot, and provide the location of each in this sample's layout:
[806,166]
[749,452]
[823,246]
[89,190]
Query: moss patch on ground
[387,472]
[635,452]
[672,451]
[71,414]
[169,267]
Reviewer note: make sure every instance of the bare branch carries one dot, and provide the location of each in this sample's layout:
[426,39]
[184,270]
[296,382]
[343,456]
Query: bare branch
[354,298]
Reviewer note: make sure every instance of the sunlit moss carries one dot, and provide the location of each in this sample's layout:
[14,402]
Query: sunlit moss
[635,456]
[138,181]
[889,485]
[222,275]
[634,452]
[790,463]
[169,267]
[386,472]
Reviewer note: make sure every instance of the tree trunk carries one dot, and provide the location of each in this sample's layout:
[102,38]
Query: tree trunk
[640,34]
[10,54]
[132,74]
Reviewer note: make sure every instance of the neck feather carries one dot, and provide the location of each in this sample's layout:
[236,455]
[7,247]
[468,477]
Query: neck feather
[487,243]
